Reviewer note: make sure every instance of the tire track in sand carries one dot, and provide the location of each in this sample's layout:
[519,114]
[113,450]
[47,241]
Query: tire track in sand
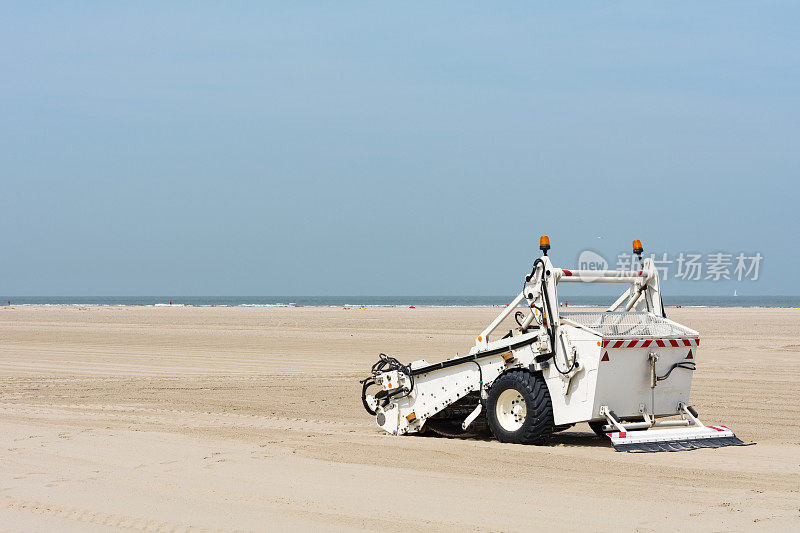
[88,516]
[182,418]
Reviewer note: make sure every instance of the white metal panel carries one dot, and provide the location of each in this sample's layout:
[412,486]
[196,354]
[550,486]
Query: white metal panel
[623,382]
[577,405]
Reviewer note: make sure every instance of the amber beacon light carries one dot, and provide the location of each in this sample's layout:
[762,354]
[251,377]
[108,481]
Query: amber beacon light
[544,243]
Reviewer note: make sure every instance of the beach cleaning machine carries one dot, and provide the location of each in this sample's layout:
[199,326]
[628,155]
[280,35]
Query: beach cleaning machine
[623,371]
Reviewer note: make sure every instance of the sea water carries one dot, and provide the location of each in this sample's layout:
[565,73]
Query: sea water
[382,301]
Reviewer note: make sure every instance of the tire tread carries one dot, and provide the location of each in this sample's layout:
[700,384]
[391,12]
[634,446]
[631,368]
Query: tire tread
[538,426]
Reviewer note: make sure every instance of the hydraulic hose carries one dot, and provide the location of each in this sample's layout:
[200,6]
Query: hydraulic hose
[367,383]
[386,363]
[480,380]
[688,365]
[549,324]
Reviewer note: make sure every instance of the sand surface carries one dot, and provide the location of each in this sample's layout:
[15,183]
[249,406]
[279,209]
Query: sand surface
[193,419]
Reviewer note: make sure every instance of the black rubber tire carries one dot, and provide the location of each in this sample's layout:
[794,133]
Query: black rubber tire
[538,425]
[597,427]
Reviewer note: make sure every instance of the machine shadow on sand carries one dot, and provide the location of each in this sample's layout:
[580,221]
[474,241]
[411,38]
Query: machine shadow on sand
[578,439]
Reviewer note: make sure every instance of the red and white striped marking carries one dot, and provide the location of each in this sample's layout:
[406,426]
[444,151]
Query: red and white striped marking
[646,343]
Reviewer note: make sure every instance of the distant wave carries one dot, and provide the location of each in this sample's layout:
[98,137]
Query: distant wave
[378,301]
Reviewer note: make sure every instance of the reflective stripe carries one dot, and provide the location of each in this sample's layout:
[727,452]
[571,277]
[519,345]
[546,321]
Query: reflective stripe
[645,343]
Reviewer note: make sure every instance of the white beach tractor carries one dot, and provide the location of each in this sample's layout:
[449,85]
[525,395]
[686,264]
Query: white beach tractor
[623,371]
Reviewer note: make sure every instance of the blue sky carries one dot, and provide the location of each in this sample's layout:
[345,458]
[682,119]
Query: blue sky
[366,148]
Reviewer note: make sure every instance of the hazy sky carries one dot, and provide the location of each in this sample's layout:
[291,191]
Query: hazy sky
[373,148]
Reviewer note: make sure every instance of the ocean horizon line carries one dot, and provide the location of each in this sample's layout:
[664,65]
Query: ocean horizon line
[384,301]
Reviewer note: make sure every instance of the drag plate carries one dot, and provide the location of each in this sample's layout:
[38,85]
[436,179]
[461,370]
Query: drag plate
[679,445]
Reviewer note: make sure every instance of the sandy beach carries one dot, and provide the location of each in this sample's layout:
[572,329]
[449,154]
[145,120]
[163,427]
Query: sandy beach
[205,419]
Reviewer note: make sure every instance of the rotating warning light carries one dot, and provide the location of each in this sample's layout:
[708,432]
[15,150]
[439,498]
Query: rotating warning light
[544,243]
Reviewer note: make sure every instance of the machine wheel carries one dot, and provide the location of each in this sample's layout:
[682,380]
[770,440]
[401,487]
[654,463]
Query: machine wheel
[519,408]
[597,427]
